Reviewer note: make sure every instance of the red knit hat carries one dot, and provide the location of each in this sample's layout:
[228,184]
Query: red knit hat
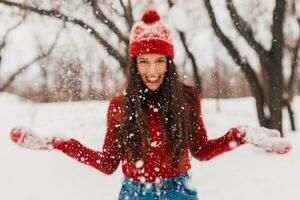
[150,36]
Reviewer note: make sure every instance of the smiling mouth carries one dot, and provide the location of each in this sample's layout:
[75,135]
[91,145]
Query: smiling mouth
[153,79]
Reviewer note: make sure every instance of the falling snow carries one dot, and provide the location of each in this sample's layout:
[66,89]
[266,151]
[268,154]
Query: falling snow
[244,163]
[139,164]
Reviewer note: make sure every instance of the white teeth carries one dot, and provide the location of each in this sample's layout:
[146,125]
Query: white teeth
[153,78]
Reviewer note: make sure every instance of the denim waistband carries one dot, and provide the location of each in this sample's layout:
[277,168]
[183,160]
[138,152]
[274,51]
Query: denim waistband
[159,183]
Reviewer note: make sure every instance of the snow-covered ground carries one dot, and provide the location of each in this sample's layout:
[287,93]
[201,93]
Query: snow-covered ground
[246,173]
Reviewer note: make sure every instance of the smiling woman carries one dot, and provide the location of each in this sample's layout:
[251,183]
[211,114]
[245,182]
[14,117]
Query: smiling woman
[155,125]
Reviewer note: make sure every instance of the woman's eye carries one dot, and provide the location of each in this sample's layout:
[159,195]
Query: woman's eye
[161,61]
[142,61]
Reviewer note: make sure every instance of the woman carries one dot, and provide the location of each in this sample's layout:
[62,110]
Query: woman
[153,126]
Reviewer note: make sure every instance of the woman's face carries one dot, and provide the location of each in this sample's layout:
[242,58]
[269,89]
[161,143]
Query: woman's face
[152,68]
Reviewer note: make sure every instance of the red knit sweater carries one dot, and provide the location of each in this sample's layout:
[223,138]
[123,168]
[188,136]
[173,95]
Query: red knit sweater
[157,162]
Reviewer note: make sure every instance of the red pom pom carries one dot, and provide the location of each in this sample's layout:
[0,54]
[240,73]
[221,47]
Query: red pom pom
[150,16]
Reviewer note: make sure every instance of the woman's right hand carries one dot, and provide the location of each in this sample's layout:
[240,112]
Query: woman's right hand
[27,139]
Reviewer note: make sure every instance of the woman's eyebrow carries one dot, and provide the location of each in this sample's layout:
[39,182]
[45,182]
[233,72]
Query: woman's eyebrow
[142,58]
[159,58]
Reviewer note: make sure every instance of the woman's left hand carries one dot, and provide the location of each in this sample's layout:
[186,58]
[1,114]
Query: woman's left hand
[267,139]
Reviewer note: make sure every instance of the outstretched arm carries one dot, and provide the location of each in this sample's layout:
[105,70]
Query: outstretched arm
[204,149]
[106,161]
[267,139]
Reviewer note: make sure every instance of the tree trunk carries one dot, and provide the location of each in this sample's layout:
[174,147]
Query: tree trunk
[276,103]
[287,104]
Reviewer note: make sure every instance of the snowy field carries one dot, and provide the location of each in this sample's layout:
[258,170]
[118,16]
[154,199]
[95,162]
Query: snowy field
[246,173]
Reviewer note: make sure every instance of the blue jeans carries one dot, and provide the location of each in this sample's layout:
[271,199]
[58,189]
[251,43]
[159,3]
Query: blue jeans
[167,189]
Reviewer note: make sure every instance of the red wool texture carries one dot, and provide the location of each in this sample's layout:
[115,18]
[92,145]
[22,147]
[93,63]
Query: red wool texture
[157,162]
[150,16]
[149,36]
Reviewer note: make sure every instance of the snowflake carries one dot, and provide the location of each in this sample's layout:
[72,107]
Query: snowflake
[139,164]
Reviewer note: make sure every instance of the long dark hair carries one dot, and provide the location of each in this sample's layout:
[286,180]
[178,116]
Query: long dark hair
[176,123]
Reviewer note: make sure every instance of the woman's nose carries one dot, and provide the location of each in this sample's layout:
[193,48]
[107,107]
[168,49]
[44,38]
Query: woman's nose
[152,67]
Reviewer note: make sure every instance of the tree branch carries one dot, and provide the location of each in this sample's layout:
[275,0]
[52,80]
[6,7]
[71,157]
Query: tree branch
[27,65]
[54,13]
[294,65]
[196,76]
[100,16]
[127,12]
[245,30]
[255,86]
[3,43]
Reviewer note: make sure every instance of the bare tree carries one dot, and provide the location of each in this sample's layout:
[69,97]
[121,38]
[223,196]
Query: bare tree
[293,50]
[269,99]
[101,18]
[190,55]
[23,68]
[8,32]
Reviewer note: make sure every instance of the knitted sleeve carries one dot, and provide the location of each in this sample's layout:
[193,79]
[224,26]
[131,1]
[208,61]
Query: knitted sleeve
[106,161]
[204,149]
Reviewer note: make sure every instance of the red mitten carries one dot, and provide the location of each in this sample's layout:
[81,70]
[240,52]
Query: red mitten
[27,139]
